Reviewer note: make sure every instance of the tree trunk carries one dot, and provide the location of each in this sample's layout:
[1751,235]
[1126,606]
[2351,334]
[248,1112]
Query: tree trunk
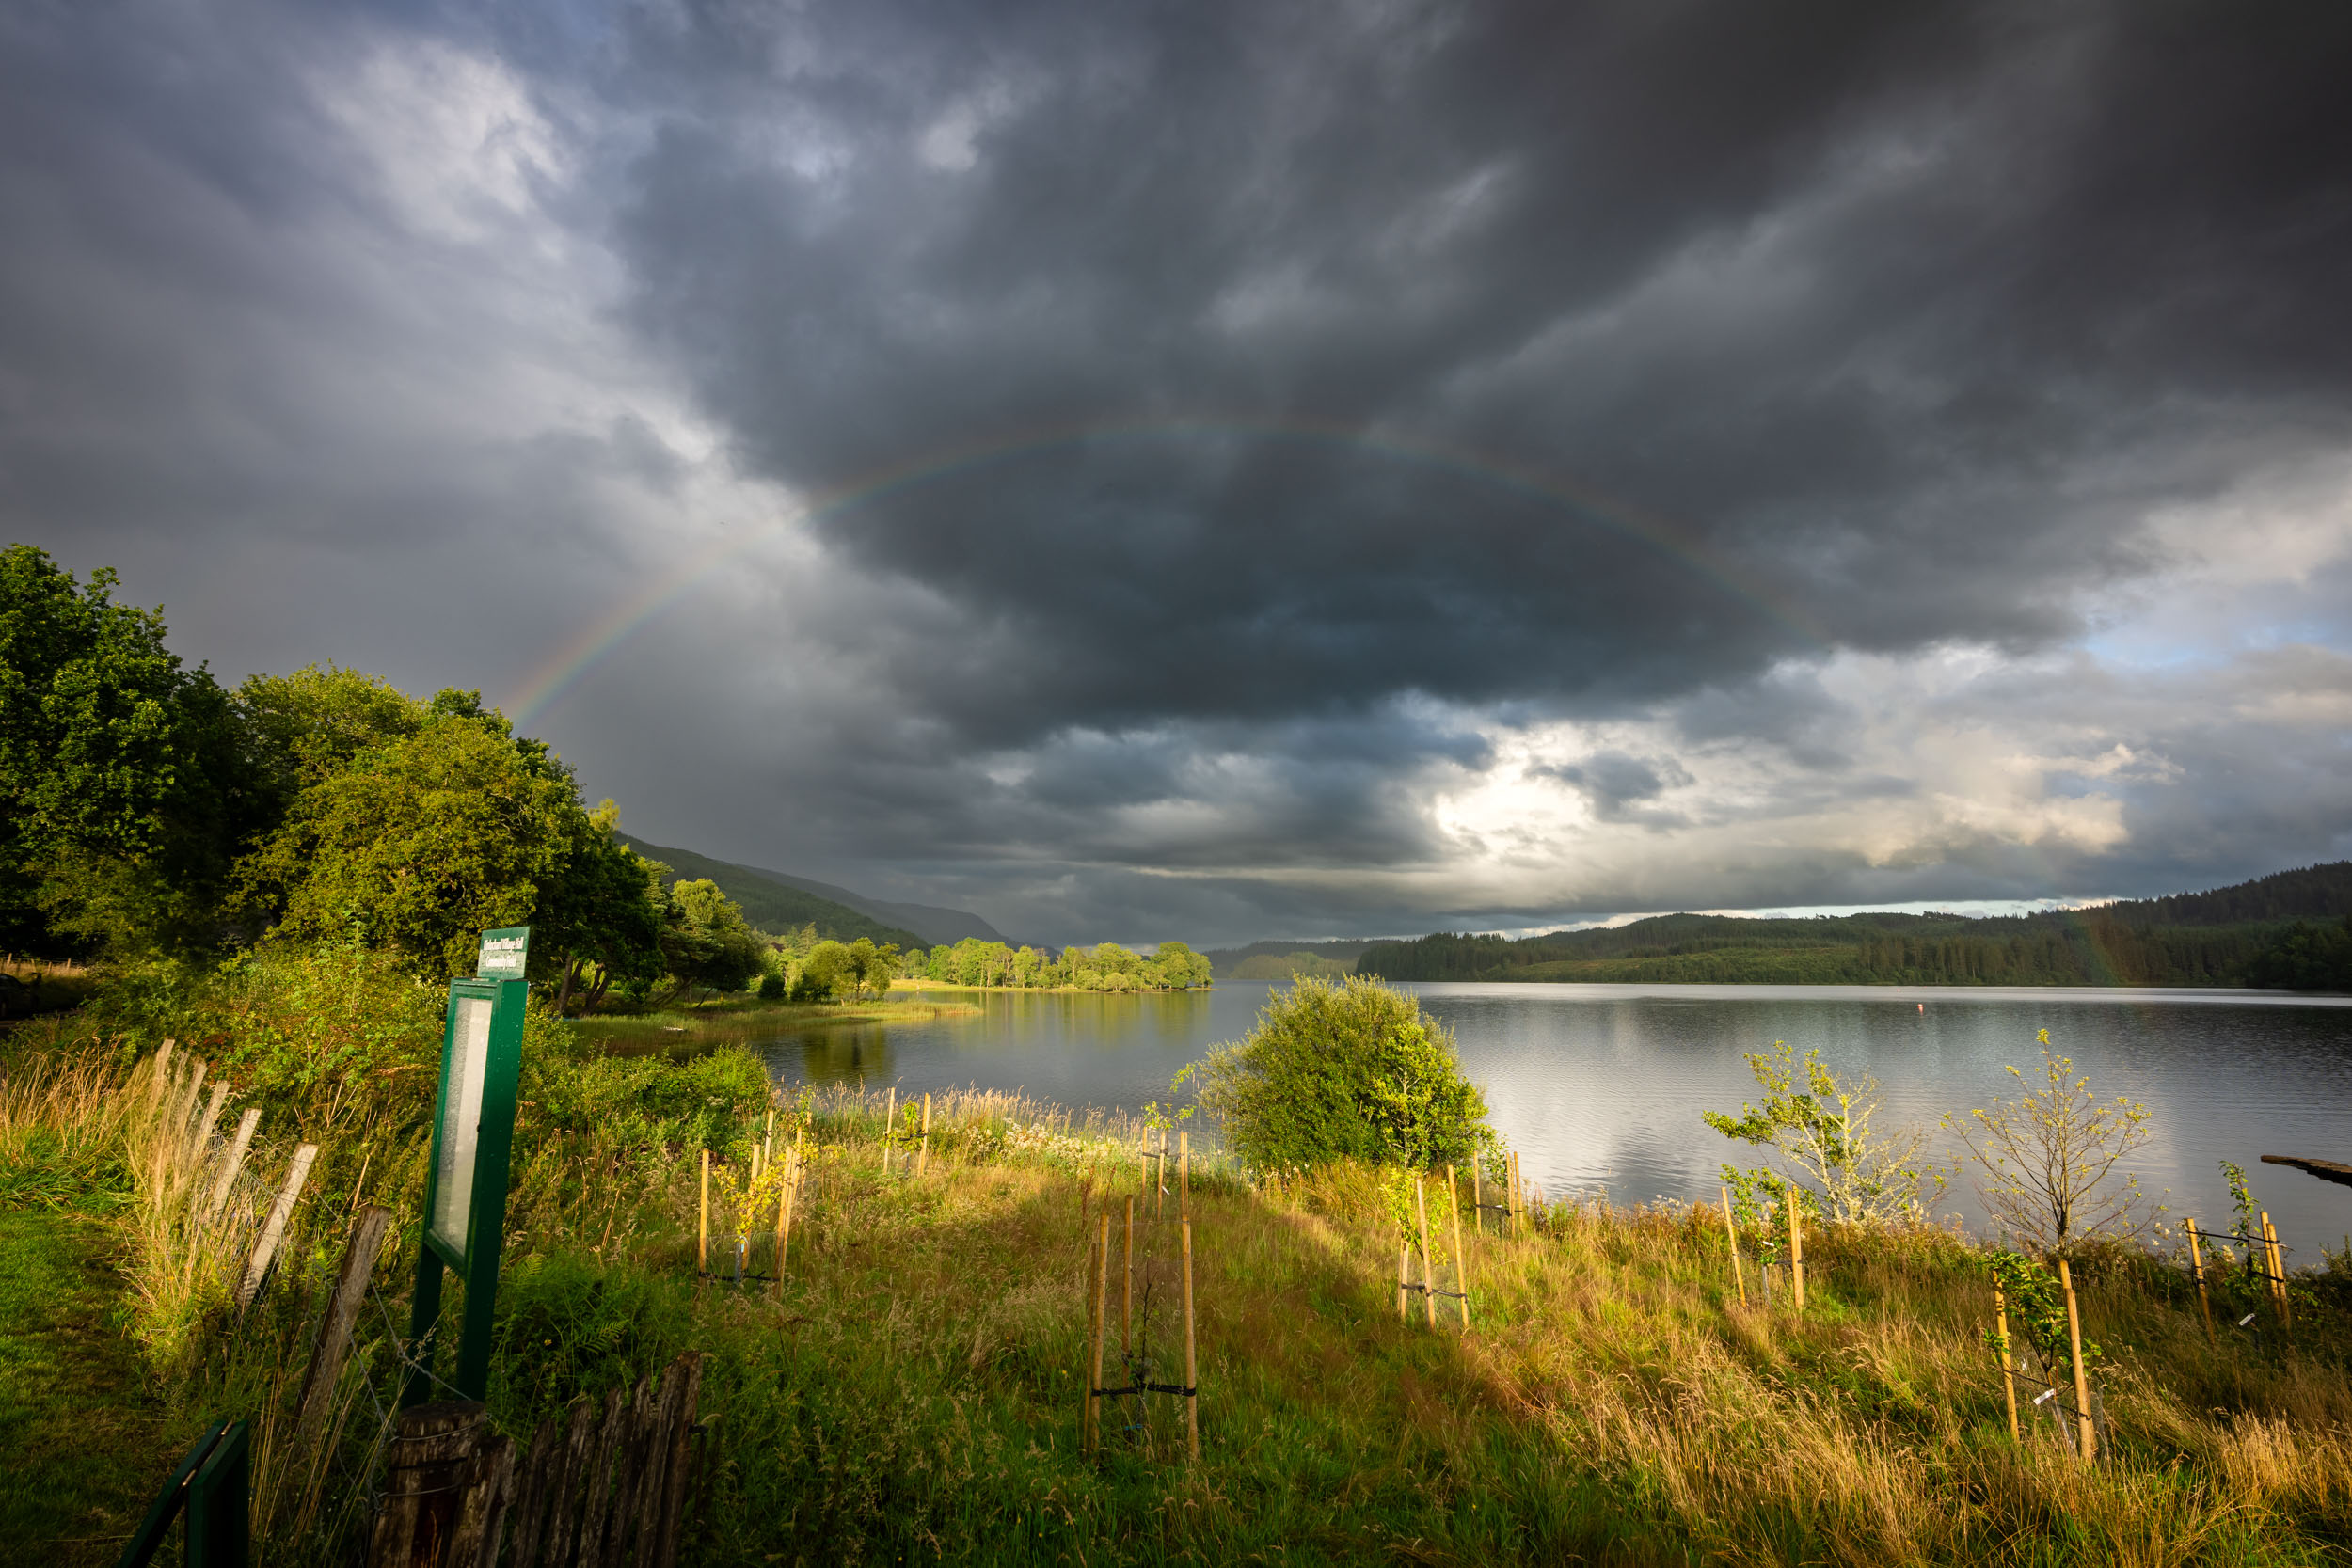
[564,992]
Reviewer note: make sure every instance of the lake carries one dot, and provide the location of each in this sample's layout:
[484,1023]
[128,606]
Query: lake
[1601,1087]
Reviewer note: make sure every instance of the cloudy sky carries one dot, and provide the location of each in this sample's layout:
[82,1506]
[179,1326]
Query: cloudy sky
[1229,470]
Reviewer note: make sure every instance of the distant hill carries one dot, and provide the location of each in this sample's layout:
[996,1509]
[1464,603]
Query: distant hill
[773,905]
[931,924]
[2191,939]
[1227,961]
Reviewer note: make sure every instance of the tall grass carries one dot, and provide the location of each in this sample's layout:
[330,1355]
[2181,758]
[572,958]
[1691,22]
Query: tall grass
[910,1388]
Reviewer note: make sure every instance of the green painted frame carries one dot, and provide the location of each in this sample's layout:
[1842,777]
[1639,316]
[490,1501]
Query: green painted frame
[476,1256]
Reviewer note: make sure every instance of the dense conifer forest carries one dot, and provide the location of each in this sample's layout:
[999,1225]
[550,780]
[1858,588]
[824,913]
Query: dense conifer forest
[2292,930]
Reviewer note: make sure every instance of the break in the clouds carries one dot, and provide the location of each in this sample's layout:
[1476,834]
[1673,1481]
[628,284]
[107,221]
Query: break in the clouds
[1209,471]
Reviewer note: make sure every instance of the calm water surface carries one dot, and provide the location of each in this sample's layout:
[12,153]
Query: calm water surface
[1601,1087]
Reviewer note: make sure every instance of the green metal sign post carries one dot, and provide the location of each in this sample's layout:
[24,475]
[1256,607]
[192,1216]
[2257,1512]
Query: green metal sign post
[465,1187]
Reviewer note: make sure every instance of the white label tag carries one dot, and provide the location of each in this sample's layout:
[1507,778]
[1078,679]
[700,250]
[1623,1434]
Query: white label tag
[2044,1395]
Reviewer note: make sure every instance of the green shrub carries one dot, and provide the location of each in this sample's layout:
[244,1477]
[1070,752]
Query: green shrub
[1352,1069]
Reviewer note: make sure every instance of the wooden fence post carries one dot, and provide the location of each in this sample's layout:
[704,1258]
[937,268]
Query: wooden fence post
[1192,1367]
[2009,1368]
[1461,1255]
[163,1075]
[1404,1271]
[1428,1279]
[1796,1252]
[1127,1290]
[1184,1176]
[233,1164]
[342,1316]
[2089,1444]
[2277,1276]
[1478,1193]
[203,1134]
[1731,1235]
[701,1222]
[890,1127]
[785,1205]
[1094,1357]
[274,1229]
[2196,1271]
[922,1161]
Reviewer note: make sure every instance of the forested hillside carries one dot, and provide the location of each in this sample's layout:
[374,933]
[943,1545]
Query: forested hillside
[1229,961]
[2261,932]
[771,905]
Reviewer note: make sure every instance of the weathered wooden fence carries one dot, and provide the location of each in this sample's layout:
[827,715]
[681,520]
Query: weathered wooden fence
[612,1485]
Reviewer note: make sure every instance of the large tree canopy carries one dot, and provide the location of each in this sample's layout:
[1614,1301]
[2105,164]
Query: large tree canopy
[122,794]
[421,844]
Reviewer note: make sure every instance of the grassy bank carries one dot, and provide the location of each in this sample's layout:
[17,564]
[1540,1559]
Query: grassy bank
[912,1390]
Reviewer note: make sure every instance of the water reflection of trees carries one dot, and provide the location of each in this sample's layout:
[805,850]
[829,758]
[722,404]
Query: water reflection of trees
[846,1055]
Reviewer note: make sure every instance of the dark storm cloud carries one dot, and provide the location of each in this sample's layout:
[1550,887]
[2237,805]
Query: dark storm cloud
[1288,410]
[1898,313]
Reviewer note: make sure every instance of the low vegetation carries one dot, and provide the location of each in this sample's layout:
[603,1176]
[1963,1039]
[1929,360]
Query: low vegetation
[912,1388]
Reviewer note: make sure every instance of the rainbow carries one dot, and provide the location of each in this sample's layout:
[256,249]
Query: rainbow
[560,671]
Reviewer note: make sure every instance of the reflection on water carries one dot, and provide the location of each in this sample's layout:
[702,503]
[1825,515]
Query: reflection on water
[1601,1087]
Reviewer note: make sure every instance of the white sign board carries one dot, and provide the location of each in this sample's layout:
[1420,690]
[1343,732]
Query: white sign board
[461,1121]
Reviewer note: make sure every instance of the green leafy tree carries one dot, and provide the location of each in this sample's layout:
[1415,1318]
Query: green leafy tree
[123,794]
[602,915]
[421,844]
[303,728]
[706,942]
[1181,969]
[1831,1142]
[826,973]
[2052,1158]
[1351,1071]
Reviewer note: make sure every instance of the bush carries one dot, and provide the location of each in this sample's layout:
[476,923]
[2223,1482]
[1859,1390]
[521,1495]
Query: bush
[1352,1069]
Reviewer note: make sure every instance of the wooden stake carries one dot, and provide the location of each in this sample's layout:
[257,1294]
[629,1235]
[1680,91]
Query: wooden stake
[786,1202]
[2278,1276]
[1478,1192]
[163,1075]
[922,1161]
[1461,1257]
[1192,1367]
[342,1316]
[1184,1176]
[235,1163]
[1796,1252]
[890,1127]
[2009,1370]
[2089,1447]
[2196,1271]
[767,1139]
[1102,1288]
[701,1222]
[1127,1291]
[1404,1274]
[1731,1234]
[1511,1200]
[1428,1279]
[205,1128]
[274,1229]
